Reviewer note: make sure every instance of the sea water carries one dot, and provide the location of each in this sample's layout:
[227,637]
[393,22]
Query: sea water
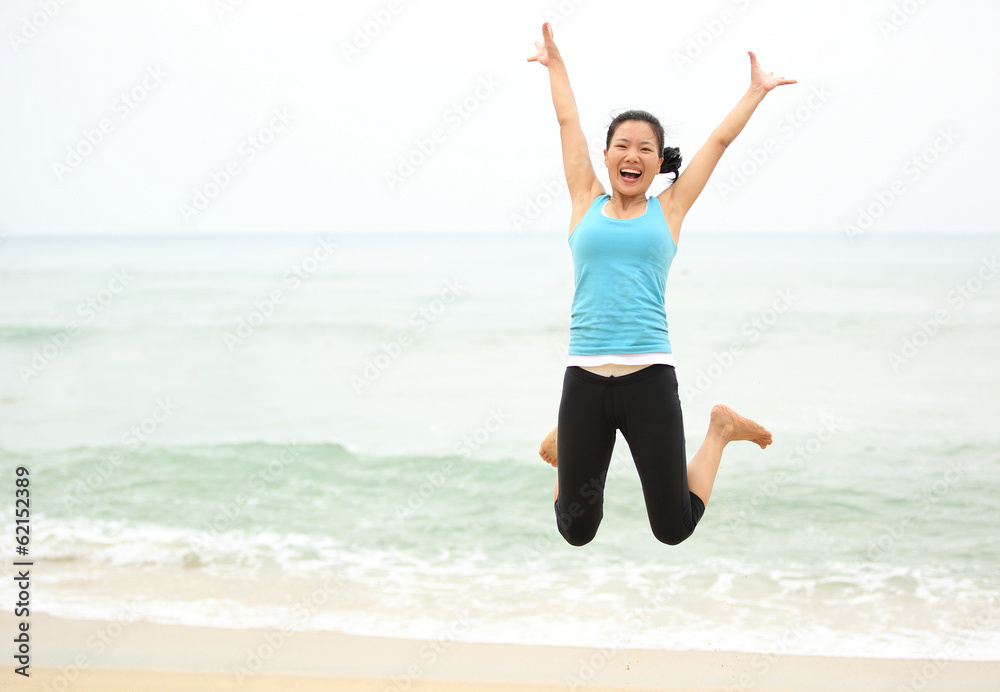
[340,433]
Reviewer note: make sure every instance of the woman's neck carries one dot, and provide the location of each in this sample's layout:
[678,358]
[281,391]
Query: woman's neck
[627,207]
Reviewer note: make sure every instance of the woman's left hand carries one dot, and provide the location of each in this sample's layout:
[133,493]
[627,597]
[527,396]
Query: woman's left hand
[765,80]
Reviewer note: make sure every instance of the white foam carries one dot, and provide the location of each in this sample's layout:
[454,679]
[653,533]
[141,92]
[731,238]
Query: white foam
[270,580]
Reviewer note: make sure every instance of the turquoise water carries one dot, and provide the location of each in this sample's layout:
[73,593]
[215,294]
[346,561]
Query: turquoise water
[340,433]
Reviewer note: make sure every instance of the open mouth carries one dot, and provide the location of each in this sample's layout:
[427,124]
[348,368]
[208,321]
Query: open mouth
[630,174]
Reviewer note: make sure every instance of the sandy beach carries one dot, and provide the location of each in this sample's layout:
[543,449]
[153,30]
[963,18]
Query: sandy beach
[139,656]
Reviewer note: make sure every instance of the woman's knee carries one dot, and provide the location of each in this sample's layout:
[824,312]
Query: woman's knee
[676,527]
[577,535]
[671,533]
[671,536]
[578,529]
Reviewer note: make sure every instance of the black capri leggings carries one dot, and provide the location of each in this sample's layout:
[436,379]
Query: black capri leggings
[644,405]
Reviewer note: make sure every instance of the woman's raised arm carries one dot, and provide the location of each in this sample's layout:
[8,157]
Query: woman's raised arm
[677,199]
[581,180]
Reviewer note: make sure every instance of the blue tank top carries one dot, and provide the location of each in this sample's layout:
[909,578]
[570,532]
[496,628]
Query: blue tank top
[620,267]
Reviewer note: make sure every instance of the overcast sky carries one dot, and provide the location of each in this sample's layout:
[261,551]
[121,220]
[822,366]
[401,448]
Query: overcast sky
[256,115]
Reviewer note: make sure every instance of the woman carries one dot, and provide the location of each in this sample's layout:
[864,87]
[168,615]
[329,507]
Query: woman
[620,373]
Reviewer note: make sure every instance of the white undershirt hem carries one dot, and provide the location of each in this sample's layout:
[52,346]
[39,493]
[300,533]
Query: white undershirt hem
[622,359]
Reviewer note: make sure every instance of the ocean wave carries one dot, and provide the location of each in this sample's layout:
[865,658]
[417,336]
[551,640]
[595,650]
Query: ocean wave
[234,579]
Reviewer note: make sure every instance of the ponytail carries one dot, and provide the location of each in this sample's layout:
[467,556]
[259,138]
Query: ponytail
[671,161]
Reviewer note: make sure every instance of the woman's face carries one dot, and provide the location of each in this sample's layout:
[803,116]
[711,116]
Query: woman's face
[633,159]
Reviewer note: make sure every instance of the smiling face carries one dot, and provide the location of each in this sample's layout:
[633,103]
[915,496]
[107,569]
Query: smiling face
[633,157]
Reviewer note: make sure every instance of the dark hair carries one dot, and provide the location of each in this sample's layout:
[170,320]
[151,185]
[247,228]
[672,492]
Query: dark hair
[671,155]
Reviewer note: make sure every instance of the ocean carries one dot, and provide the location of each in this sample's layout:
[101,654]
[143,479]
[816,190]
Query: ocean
[340,432]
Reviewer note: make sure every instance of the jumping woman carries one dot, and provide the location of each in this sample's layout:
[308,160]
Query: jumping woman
[620,370]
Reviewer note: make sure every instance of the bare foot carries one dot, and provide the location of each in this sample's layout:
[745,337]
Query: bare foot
[548,449]
[732,426]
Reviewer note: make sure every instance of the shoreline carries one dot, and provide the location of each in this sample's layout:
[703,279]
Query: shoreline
[109,656]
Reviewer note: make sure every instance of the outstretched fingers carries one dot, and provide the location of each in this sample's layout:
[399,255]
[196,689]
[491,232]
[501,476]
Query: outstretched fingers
[767,80]
[539,47]
[546,48]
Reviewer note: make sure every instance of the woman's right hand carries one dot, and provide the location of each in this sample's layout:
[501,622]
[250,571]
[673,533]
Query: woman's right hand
[547,49]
